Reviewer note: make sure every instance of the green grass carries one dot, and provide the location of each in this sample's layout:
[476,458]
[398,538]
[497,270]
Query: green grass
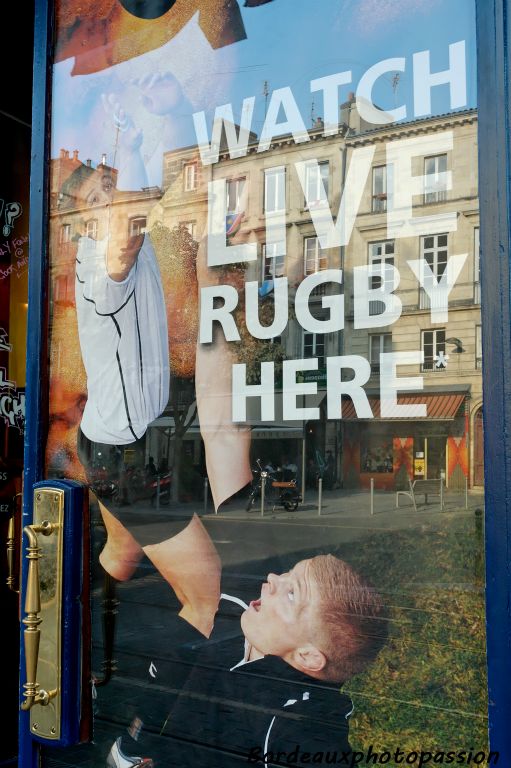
[427,689]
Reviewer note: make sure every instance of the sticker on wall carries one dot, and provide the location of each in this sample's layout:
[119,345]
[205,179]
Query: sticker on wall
[11,212]
[12,403]
[12,399]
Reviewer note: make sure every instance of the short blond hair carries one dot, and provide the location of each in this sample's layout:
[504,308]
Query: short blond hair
[351,626]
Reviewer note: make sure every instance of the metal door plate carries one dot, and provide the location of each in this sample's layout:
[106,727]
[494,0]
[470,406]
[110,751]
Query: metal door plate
[49,507]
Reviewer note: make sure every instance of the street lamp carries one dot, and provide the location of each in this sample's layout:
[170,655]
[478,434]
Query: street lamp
[457,344]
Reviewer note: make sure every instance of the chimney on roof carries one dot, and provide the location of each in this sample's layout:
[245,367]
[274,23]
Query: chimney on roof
[75,155]
[349,114]
[88,162]
[103,158]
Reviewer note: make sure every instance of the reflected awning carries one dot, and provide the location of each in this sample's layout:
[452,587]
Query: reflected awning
[262,431]
[439,406]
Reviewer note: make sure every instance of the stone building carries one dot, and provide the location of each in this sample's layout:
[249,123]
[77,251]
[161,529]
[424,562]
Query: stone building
[442,221]
[448,440]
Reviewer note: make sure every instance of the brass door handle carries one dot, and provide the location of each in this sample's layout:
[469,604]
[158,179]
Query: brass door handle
[43,605]
[34,694]
[55,594]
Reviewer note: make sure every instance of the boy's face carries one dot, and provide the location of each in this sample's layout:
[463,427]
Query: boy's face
[285,617]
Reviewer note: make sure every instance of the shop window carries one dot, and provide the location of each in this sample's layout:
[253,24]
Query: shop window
[378,343]
[235,189]
[137,226]
[381,254]
[434,251]
[433,346]
[190,176]
[376,453]
[435,169]
[274,260]
[314,346]
[275,190]
[316,183]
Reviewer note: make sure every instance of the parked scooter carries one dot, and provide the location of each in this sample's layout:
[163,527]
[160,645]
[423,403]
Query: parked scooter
[280,488]
[165,484]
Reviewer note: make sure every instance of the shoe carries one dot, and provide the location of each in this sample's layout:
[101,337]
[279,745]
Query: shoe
[117,759]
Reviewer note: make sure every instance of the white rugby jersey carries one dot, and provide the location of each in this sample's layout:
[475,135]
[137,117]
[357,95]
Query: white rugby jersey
[124,343]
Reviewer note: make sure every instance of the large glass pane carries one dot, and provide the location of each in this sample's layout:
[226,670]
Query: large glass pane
[270,377]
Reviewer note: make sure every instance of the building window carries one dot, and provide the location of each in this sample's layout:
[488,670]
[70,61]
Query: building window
[315,260]
[190,174]
[378,343]
[274,260]
[274,190]
[91,229]
[477,267]
[61,289]
[479,347]
[314,346]
[190,227]
[433,346]
[65,233]
[107,182]
[315,257]
[137,226]
[381,253]
[316,183]
[235,189]
[434,182]
[434,253]
[379,198]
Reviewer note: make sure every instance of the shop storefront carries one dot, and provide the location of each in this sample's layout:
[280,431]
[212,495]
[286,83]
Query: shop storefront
[394,451]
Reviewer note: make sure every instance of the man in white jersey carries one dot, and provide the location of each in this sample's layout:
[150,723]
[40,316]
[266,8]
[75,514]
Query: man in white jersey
[122,326]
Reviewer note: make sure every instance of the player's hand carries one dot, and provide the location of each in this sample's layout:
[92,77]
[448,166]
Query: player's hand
[160,92]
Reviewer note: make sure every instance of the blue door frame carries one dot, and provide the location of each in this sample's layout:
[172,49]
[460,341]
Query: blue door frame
[494,65]
[494,60]
[37,374]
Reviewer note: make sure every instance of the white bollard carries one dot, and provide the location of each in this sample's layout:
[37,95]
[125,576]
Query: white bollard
[372,496]
[158,493]
[263,490]
[466,493]
[320,494]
